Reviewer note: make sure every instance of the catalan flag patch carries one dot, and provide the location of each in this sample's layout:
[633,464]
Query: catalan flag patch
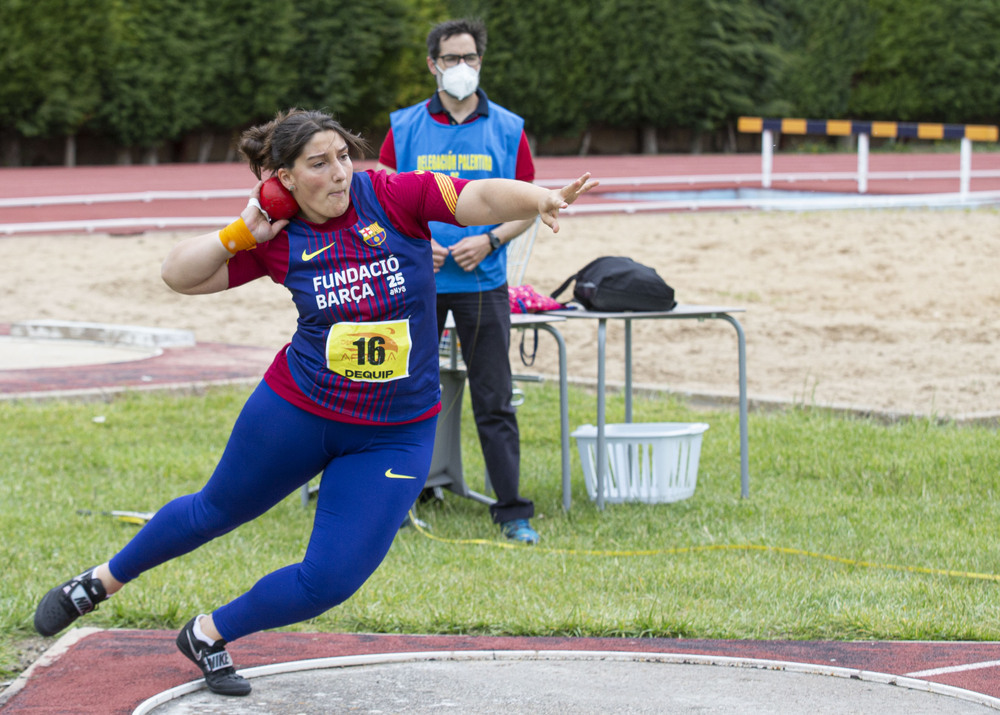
[448,193]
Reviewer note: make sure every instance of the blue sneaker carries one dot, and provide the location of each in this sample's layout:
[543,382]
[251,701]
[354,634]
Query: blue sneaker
[519,530]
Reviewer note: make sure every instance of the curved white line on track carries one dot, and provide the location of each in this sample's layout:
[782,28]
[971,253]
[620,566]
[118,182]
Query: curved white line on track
[673,658]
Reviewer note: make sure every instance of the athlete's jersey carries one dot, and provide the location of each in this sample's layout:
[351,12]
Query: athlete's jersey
[365,346]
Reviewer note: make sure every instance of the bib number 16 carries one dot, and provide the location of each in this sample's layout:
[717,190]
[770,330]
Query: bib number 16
[369,352]
[374,353]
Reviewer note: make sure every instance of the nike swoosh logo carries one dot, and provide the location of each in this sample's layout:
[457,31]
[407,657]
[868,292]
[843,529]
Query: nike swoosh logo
[309,256]
[198,654]
[389,474]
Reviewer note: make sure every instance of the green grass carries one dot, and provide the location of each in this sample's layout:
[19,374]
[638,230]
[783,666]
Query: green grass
[897,505]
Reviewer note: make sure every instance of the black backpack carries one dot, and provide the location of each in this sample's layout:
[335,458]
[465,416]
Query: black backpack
[615,283]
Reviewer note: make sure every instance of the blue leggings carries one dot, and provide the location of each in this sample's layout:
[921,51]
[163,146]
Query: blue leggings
[274,449]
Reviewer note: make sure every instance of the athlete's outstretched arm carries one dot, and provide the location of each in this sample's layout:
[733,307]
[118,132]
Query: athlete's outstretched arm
[492,201]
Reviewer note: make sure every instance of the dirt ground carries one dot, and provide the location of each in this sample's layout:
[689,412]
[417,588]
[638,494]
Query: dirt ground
[885,310]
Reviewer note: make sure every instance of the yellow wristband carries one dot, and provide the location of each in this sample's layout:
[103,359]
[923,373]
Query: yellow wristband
[237,237]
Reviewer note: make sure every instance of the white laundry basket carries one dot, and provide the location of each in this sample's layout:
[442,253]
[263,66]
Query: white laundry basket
[651,462]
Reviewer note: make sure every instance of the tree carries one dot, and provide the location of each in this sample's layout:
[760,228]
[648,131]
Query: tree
[739,63]
[346,58]
[932,61]
[248,65]
[50,66]
[538,68]
[644,75]
[825,44]
[155,72]
[413,81]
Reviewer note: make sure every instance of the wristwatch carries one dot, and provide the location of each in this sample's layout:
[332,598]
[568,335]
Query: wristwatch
[495,241]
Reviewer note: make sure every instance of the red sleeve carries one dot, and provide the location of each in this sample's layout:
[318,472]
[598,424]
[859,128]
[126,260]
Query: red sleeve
[412,198]
[387,154]
[268,259]
[525,169]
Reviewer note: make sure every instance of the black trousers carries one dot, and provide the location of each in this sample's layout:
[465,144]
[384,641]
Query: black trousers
[482,321]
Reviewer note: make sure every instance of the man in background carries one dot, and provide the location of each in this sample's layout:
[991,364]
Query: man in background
[460,132]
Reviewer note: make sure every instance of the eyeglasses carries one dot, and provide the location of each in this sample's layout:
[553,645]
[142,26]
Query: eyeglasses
[452,60]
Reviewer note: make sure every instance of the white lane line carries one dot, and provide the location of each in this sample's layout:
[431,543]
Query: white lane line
[954,669]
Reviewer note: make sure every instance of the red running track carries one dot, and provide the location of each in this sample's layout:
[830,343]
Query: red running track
[56,181]
[114,671]
[175,368]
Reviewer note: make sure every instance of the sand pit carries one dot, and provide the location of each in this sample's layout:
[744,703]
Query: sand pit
[887,310]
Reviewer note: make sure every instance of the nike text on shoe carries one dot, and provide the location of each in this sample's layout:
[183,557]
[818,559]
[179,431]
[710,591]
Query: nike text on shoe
[215,662]
[519,530]
[67,602]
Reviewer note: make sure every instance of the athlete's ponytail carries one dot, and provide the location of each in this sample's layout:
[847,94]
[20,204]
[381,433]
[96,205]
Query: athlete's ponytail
[255,145]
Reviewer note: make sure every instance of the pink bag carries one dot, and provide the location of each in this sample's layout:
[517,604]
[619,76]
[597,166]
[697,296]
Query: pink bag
[525,299]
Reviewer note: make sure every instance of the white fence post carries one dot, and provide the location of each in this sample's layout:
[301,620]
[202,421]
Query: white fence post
[766,157]
[965,169]
[862,163]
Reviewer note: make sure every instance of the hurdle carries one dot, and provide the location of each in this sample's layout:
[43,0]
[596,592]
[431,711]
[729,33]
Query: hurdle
[864,130]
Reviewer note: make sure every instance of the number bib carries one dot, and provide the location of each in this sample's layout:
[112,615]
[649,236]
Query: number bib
[369,352]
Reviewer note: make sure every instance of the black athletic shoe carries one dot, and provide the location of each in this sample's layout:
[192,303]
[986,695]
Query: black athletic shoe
[64,604]
[215,662]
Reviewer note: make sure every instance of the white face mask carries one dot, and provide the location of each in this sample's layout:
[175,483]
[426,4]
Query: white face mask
[459,81]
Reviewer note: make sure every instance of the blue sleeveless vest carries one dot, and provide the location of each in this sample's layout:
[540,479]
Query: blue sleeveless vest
[485,148]
[366,342]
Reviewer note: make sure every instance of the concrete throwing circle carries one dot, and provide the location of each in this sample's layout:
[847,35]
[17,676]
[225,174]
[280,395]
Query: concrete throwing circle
[567,681]
[18,353]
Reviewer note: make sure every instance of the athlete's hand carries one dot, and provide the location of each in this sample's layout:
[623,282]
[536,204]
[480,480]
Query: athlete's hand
[555,201]
[255,219]
[470,251]
[438,253]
